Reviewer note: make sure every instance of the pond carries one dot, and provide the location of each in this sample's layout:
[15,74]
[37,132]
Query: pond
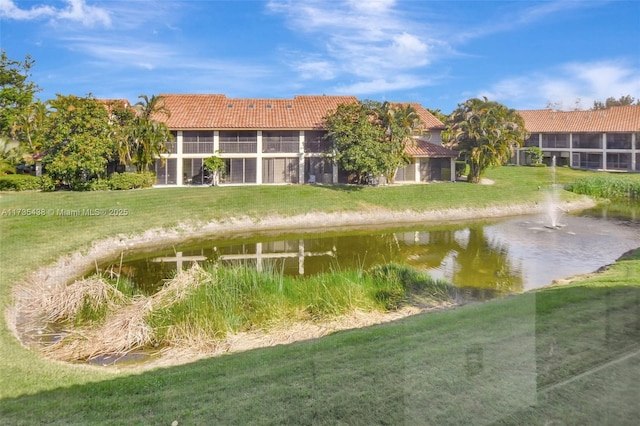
[507,256]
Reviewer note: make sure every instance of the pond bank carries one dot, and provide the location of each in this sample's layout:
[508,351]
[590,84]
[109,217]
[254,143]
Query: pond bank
[68,268]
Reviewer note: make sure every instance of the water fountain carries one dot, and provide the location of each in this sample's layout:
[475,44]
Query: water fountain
[553,199]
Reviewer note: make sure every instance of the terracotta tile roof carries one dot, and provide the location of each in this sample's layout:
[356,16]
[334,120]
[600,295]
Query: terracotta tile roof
[220,112]
[614,119]
[429,121]
[197,111]
[422,148]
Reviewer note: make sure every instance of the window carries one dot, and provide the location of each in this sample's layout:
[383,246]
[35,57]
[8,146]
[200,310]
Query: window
[197,142]
[171,146]
[585,160]
[555,140]
[314,141]
[280,170]
[166,171]
[193,172]
[532,140]
[406,173]
[238,142]
[587,140]
[320,168]
[241,170]
[618,161]
[280,141]
[618,141]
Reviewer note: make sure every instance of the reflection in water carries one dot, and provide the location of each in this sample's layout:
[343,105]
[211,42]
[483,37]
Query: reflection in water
[503,257]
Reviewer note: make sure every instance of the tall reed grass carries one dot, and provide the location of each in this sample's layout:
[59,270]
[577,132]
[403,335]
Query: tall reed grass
[203,306]
[237,299]
[607,186]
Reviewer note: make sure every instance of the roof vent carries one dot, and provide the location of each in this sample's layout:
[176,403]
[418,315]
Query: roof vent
[230,106]
[250,106]
[289,106]
[268,106]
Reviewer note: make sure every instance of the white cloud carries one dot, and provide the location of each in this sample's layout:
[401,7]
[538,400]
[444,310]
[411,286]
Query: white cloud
[8,9]
[76,11]
[381,85]
[370,40]
[79,11]
[569,85]
[316,69]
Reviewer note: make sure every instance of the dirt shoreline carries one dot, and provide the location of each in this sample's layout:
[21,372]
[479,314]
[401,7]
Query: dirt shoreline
[68,268]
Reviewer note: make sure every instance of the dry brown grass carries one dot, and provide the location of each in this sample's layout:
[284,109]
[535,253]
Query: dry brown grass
[124,330]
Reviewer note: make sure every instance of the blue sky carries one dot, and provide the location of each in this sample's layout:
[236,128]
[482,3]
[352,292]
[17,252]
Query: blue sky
[525,54]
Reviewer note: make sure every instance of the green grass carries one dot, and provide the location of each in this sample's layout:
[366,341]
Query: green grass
[478,364]
[512,361]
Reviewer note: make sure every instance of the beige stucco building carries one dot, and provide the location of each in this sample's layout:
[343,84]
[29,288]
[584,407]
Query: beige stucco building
[594,139]
[276,141]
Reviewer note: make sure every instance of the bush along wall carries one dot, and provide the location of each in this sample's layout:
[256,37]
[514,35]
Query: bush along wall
[117,181]
[20,183]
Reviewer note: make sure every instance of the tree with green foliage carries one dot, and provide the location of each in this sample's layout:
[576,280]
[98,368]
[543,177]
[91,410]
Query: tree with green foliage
[217,167]
[401,121]
[437,113]
[16,92]
[356,133]
[485,133]
[146,136]
[369,137]
[611,102]
[79,142]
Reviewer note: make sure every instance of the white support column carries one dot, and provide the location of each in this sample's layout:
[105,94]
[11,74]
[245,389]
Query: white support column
[301,257]
[301,157]
[604,151]
[179,169]
[416,170]
[259,158]
[216,141]
[634,143]
[259,257]
[453,169]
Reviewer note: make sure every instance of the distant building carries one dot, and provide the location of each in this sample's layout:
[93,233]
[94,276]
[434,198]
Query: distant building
[596,139]
[275,141]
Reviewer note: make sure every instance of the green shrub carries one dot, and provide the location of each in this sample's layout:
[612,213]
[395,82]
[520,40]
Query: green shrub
[20,183]
[119,181]
[47,184]
[99,185]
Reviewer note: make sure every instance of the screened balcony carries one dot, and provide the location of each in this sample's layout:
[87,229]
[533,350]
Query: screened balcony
[315,141]
[555,140]
[587,141]
[240,142]
[197,142]
[618,140]
[280,141]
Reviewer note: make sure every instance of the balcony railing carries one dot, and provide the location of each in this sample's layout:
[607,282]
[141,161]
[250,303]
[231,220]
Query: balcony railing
[280,146]
[197,147]
[239,147]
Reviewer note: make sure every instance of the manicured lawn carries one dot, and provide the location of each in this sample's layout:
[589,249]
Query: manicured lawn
[562,353]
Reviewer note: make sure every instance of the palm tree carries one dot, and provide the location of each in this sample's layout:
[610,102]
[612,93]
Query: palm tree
[147,137]
[152,107]
[400,120]
[9,154]
[485,133]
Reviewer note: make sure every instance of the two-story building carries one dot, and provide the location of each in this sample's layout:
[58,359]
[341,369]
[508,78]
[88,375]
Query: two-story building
[606,139]
[276,141]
